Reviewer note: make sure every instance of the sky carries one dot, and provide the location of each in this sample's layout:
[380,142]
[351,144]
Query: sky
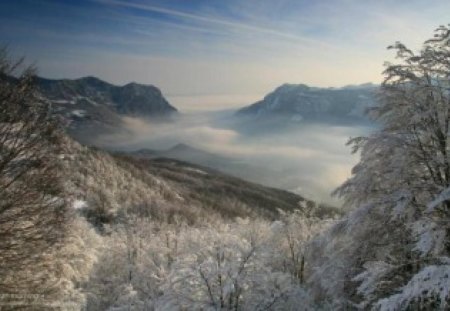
[226,48]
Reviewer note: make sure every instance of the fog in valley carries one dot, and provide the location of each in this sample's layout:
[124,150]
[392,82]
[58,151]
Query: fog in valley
[307,158]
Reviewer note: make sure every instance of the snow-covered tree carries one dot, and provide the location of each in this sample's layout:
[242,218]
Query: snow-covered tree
[228,268]
[239,265]
[291,238]
[396,243]
[75,260]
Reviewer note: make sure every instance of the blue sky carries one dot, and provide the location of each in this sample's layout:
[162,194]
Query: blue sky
[226,47]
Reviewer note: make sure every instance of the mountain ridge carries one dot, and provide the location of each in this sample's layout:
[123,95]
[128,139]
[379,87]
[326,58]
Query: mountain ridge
[146,99]
[300,102]
[90,106]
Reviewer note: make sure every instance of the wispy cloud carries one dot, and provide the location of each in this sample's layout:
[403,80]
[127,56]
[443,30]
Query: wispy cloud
[217,47]
[210,20]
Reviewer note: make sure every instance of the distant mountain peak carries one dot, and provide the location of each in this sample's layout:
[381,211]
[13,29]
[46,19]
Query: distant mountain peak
[300,102]
[131,99]
[90,105]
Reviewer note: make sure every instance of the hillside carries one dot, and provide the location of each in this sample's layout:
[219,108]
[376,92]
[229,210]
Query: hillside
[246,169]
[183,152]
[186,153]
[91,106]
[165,189]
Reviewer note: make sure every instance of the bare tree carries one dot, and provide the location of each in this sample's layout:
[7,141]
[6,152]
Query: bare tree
[32,207]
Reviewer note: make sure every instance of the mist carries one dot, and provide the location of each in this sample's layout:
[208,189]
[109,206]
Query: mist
[310,159]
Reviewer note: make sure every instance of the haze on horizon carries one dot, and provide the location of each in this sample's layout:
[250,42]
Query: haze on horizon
[208,48]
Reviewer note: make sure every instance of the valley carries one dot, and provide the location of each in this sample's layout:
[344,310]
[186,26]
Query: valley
[270,149]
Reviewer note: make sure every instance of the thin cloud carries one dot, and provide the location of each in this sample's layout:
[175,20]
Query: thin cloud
[234,47]
[211,20]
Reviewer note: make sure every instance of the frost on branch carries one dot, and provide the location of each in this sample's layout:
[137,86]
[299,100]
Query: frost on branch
[428,288]
[444,196]
[370,278]
[431,237]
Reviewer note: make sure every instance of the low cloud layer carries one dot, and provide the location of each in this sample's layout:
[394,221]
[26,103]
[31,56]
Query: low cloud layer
[308,159]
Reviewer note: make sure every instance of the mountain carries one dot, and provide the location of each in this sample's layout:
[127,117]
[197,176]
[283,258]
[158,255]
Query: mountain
[299,102]
[91,106]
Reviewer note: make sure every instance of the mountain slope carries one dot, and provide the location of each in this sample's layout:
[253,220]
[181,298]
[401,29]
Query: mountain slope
[240,168]
[132,99]
[184,152]
[299,102]
[166,190]
[91,106]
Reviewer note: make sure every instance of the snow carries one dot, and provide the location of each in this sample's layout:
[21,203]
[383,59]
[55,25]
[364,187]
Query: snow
[431,282]
[442,197]
[431,238]
[370,278]
[79,113]
[79,97]
[79,204]
[63,102]
[196,170]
